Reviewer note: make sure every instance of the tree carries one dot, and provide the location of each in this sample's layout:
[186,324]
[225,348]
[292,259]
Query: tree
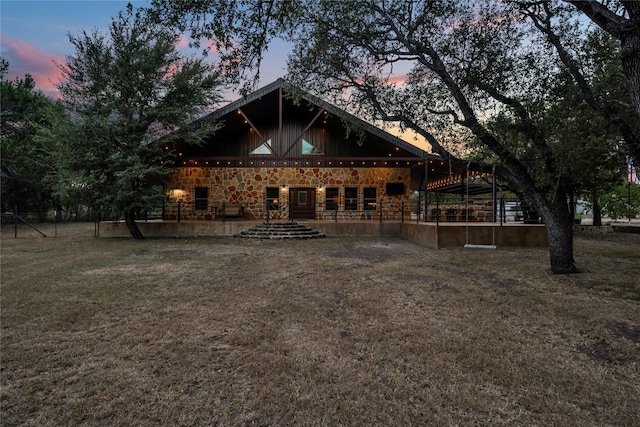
[591,145]
[25,160]
[128,89]
[466,65]
[63,138]
[619,19]
[623,201]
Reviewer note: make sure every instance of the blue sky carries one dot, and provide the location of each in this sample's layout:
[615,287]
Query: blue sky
[34,34]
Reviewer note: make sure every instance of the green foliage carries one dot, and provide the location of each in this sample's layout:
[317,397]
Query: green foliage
[24,158]
[469,72]
[622,202]
[133,94]
[238,31]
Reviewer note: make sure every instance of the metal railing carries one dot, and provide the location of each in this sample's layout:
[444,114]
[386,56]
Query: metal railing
[436,208]
[180,211]
[456,208]
[336,213]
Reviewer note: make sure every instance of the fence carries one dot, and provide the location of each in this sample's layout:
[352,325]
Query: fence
[181,211]
[49,225]
[457,208]
[433,208]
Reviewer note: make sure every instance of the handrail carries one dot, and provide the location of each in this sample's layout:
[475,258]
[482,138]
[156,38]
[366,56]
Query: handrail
[474,209]
[182,210]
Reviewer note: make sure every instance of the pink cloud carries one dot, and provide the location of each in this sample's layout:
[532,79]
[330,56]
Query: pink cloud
[182,41]
[399,79]
[24,59]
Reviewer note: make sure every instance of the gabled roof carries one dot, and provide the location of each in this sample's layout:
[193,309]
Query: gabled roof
[332,109]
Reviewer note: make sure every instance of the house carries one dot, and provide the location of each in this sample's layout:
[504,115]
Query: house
[299,157]
[282,153]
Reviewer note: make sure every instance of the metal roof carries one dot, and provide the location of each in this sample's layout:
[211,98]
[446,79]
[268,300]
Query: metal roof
[347,117]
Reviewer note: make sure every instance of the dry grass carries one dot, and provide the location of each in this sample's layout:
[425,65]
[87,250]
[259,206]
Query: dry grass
[338,331]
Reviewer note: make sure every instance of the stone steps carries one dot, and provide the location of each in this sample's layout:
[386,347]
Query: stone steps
[280,230]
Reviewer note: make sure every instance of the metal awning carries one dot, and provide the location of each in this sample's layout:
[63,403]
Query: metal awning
[462,188]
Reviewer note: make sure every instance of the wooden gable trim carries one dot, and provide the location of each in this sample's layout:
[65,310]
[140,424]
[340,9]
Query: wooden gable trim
[250,123]
[297,139]
[282,147]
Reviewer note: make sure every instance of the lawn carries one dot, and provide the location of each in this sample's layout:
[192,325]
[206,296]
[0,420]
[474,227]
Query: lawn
[335,331]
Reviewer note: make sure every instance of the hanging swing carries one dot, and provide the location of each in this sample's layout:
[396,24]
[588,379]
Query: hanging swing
[493,226]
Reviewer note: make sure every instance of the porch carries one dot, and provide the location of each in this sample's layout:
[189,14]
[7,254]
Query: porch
[430,234]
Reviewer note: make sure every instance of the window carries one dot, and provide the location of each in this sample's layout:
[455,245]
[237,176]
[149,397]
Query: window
[201,198]
[308,149]
[265,148]
[273,198]
[332,199]
[350,199]
[370,198]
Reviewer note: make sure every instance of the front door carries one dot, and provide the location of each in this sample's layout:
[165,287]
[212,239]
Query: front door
[303,201]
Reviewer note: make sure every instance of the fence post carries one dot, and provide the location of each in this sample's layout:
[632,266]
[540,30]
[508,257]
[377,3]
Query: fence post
[426,205]
[179,208]
[268,211]
[15,221]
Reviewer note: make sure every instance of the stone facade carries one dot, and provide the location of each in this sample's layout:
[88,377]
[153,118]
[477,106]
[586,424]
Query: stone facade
[248,186]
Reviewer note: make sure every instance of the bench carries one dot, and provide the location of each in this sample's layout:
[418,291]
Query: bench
[230,210]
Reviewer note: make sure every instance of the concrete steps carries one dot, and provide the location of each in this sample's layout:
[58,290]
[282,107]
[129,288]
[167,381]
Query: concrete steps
[280,230]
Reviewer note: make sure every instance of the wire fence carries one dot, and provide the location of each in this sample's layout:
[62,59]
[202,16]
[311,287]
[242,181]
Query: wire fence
[430,207]
[17,225]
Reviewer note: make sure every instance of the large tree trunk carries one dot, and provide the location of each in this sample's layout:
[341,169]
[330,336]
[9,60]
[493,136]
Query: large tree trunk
[597,210]
[631,63]
[559,222]
[558,217]
[629,36]
[130,219]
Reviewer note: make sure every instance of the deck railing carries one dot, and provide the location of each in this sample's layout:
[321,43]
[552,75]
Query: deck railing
[456,208]
[437,208]
[180,211]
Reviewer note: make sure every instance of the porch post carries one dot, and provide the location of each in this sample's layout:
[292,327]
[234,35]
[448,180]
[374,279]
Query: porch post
[493,193]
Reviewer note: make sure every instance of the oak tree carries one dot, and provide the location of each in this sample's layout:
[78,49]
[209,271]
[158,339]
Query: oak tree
[24,159]
[127,89]
[444,69]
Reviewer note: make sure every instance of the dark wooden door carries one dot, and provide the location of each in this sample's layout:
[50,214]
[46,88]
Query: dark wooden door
[303,201]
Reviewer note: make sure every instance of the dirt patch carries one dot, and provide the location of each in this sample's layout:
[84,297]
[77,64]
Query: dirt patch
[371,251]
[435,284]
[625,330]
[601,351]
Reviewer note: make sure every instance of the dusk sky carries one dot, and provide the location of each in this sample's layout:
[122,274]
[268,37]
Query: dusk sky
[34,34]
